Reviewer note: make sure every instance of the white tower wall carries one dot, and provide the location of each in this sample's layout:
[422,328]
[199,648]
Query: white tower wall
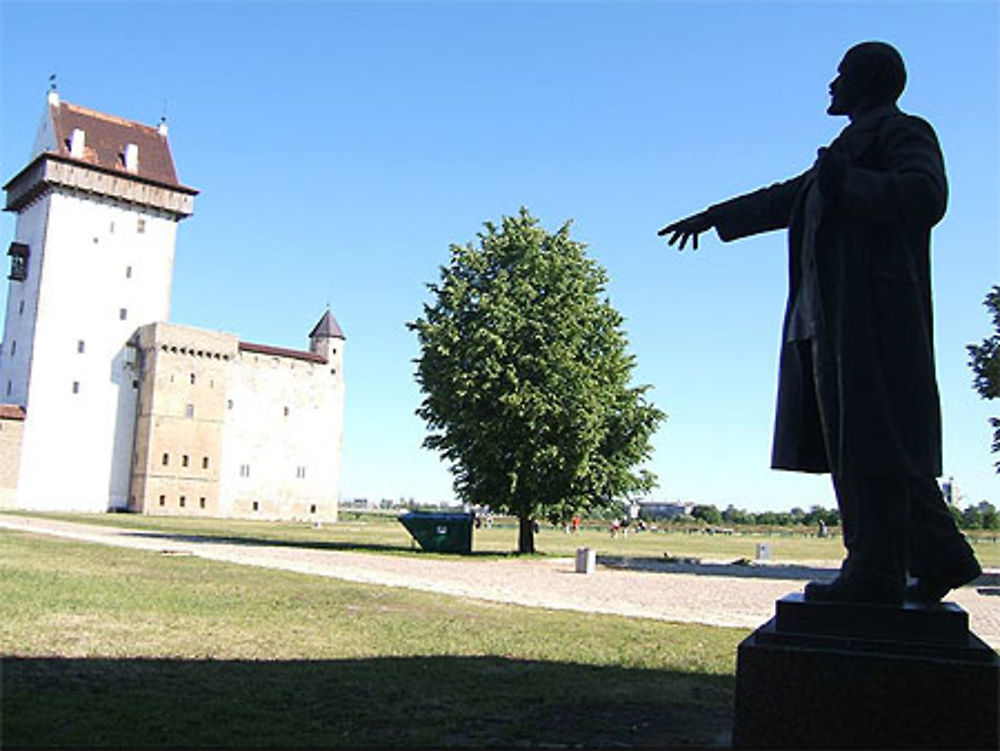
[105,269]
[22,301]
[99,232]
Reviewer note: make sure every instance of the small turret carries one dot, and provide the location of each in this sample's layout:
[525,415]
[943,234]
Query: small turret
[327,339]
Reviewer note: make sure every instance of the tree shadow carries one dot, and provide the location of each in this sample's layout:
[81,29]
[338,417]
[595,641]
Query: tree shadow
[382,702]
[788,571]
[363,547]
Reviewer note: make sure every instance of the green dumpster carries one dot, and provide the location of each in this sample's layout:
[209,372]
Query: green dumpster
[440,532]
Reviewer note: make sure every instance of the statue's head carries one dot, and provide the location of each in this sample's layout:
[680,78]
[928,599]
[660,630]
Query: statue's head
[872,74]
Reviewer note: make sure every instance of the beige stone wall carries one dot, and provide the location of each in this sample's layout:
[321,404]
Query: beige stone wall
[223,432]
[184,381]
[282,438]
[11,431]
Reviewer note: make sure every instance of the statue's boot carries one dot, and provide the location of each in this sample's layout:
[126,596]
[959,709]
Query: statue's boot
[874,515]
[941,559]
[930,589]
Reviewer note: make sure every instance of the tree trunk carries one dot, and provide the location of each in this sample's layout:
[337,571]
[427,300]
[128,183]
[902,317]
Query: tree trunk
[526,535]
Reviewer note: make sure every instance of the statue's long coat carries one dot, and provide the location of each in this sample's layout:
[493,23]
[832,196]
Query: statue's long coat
[878,410]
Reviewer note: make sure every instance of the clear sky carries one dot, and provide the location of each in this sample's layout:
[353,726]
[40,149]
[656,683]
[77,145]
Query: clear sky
[340,148]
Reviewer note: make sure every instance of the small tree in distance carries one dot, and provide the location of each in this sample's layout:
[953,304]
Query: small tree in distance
[525,377]
[984,359]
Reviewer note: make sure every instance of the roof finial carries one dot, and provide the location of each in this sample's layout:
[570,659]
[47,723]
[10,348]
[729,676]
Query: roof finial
[53,95]
[163,120]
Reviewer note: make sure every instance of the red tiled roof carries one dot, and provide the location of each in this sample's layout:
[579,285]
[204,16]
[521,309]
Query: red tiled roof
[105,139]
[11,412]
[297,354]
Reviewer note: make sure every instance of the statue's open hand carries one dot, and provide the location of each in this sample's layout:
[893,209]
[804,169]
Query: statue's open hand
[689,227]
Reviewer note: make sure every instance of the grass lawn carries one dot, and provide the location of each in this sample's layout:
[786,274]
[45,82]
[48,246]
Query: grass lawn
[382,533]
[109,646]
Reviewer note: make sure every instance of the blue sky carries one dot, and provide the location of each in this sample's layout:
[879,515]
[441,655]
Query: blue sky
[340,148]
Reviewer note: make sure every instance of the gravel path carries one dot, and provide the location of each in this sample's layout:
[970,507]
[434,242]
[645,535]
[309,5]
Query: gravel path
[712,593]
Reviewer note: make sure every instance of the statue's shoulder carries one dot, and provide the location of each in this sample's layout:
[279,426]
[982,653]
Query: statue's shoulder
[901,127]
[900,119]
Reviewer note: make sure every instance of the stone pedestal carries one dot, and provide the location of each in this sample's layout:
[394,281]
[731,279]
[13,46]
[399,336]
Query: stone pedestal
[834,675]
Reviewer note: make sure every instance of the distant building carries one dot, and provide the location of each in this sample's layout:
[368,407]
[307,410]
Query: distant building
[651,510]
[106,406]
[949,489]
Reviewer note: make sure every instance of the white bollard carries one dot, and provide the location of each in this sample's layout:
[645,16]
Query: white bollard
[586,560]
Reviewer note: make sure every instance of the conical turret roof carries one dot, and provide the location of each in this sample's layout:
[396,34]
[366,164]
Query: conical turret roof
[327,328]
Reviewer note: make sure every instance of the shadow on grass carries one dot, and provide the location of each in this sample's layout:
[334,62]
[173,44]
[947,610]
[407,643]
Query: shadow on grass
[413,701]
[785,571]
[357,547]
[629,563]
[751,570]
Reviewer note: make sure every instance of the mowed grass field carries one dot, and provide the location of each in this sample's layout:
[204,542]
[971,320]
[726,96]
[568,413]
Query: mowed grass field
[384,534]
[106,646]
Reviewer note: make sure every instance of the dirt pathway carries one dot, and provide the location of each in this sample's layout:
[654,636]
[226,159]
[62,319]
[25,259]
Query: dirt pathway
[715,594]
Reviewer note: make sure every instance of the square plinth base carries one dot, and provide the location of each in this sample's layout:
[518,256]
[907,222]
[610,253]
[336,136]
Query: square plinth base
[805,689]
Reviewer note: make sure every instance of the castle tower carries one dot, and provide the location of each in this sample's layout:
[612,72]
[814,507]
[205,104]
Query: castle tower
[92,259]
[327,340]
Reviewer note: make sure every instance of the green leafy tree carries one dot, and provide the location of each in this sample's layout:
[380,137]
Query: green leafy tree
[733,515]
[832,517]
[525,377]
[972,518]
[990,518]
[707,513]
[984,359]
